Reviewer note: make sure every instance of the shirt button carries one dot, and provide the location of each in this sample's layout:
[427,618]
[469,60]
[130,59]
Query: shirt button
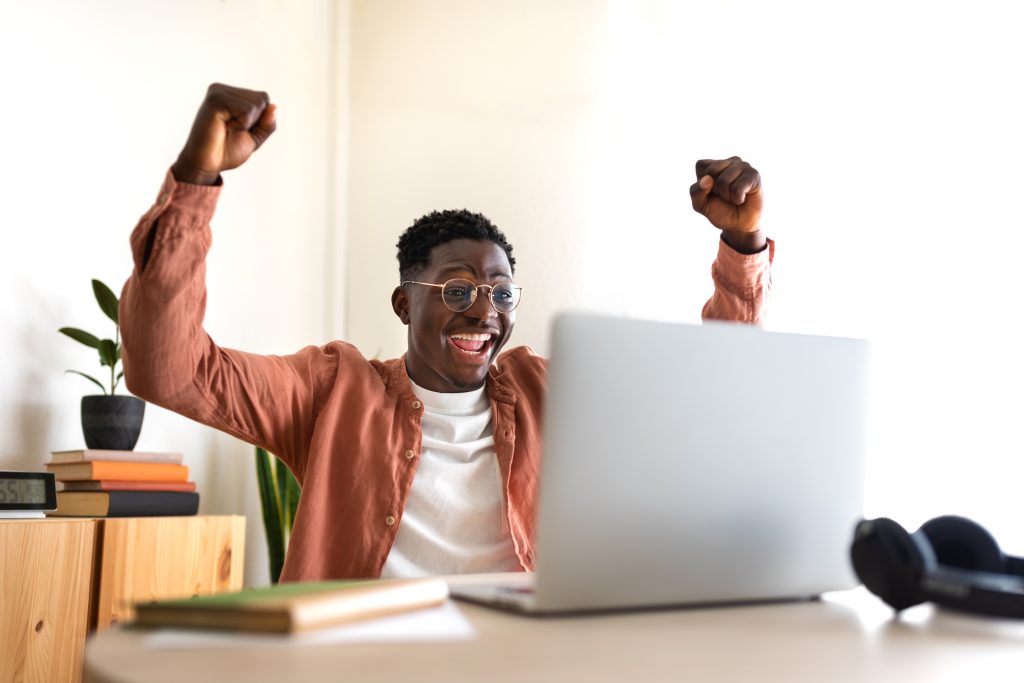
[416,405]
[389,520]
[410,454]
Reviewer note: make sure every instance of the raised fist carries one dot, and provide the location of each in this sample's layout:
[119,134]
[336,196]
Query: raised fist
[230,125]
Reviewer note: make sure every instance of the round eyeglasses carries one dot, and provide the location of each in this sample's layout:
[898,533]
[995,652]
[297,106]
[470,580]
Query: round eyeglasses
[459,295]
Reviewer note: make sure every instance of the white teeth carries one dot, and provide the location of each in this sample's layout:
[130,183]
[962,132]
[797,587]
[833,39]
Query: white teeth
[472,337]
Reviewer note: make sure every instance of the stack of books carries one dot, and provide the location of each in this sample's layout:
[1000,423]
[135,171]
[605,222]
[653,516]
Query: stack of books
[104,483]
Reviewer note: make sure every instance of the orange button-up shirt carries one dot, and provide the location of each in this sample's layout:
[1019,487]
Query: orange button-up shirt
[343,424]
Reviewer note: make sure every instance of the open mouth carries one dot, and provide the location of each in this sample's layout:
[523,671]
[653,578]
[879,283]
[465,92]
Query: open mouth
[471,346]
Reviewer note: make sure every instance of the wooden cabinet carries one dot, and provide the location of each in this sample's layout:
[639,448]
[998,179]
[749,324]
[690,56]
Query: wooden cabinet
[45,578]
[148,558]
[61,578]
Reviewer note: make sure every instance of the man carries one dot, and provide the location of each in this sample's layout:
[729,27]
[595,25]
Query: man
[422,464]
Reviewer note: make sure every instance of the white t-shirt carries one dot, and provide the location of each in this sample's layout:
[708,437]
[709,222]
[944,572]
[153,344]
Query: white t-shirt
[454,521]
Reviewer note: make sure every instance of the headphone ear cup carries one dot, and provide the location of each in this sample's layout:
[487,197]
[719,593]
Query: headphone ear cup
[959,542]
[888,562]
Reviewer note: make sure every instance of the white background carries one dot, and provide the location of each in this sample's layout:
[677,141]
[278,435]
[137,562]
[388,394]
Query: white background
[887,133]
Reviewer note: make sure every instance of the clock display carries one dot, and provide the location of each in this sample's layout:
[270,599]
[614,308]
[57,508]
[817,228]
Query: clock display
[22,491]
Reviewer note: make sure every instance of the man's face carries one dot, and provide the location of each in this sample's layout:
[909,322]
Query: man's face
[449,351]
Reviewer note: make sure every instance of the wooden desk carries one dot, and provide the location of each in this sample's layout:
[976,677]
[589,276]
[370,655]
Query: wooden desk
[846,637]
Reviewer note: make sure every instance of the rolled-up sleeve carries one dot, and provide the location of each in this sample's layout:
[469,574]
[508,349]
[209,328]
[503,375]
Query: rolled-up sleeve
[743,285]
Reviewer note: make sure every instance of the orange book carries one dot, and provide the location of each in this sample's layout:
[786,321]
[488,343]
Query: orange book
[118,471]
[108,485]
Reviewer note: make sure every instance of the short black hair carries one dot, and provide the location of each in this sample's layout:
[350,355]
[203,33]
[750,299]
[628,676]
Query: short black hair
[439,227]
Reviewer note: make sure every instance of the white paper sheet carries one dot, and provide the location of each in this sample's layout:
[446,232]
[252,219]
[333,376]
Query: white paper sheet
[442,623]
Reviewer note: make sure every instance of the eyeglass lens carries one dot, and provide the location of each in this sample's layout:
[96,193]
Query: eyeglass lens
[459,295]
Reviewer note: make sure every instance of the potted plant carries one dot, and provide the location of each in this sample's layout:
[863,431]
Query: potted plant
[109,421]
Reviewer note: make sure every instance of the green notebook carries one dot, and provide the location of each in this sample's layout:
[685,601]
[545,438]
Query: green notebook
[294,607]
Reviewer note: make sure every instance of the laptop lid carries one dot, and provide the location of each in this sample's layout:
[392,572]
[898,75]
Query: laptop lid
[697,464]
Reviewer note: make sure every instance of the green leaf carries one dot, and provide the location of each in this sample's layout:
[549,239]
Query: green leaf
[81,336]
[108,352]
[271,508]
[106,299]
[91,379]
[279,498]
[293,491]
[281,479]
[288,490]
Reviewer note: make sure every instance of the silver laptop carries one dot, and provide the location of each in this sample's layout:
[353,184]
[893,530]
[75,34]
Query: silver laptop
[693,464]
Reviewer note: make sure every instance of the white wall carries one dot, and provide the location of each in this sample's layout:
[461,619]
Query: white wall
[98,99]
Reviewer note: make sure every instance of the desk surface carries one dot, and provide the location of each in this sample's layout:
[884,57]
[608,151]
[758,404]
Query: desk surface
[847,636]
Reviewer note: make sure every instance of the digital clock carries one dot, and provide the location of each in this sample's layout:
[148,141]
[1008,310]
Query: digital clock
[27,494]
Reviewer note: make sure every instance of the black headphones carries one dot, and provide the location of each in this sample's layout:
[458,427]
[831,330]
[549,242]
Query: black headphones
[950,561]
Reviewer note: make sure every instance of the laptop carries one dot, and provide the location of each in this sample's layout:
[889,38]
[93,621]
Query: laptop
[692,465]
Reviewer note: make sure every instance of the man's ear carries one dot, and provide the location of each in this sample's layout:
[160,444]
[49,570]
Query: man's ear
[400,304]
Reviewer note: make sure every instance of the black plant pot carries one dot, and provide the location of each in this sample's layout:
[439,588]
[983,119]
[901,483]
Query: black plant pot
[112,422]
